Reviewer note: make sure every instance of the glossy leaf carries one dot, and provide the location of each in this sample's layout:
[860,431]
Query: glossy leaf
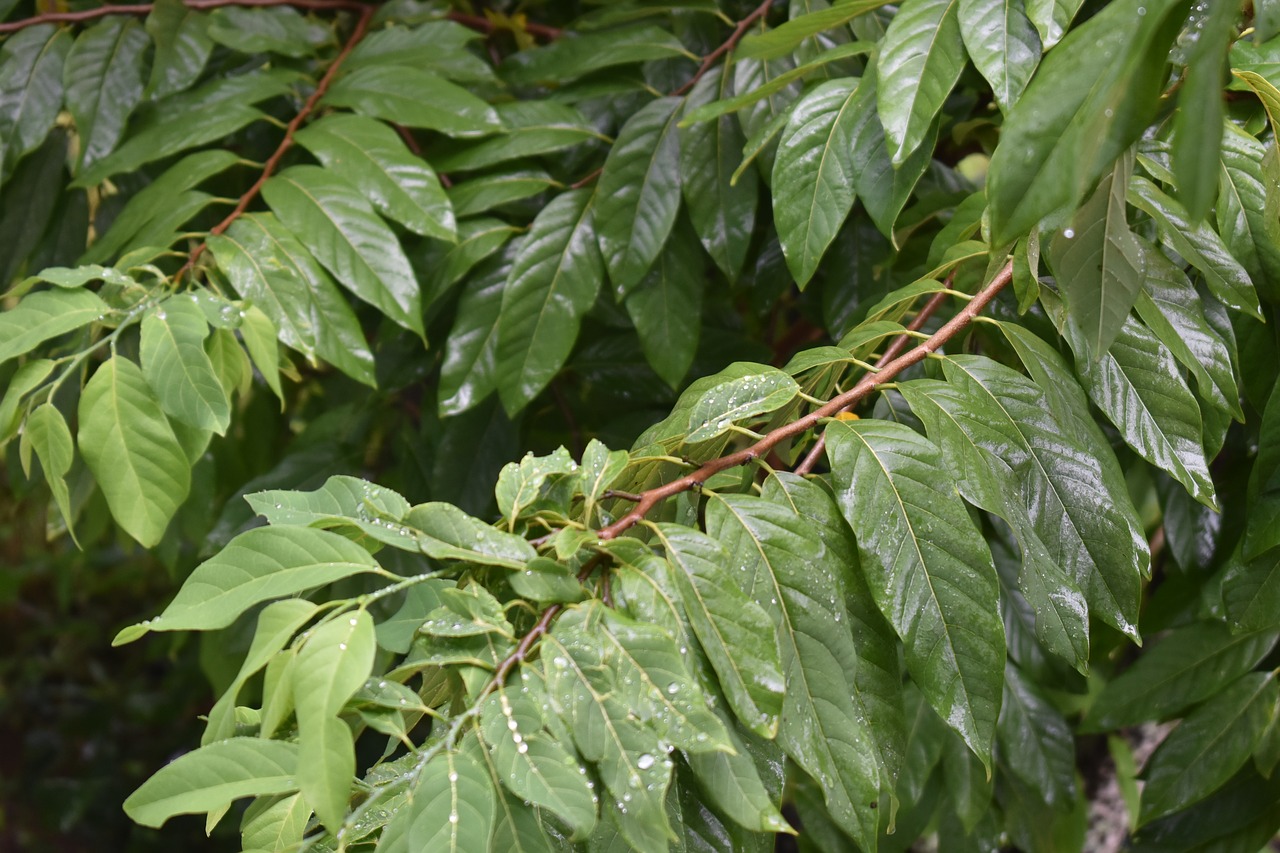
[927,567]
[735,632]
[382,92]
[44,315]
[103,80]
[481,194]
[920,60]
[31,66]
[813,175]
[639,192]
[782,40]
[759,391]
[554,281]
[400,185]
[1244,193]
[1035,741]
[275,29]
[1197,125]
[212,777]
[447,533]
[1003,44]
[177,369]
[1052,17]
[572,57]
[131,450]
[469,372]
[183,45]
[347,237]
[529,128]
[1209,746]
[666,308]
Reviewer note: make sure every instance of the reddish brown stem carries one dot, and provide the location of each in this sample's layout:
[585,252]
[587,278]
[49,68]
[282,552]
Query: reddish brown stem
[486,26]
[729,44]
[891,352]
[362,26]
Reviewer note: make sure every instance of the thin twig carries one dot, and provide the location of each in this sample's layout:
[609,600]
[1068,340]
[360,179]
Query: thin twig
[891,352]
[487,26]
[729,44]
[362,26]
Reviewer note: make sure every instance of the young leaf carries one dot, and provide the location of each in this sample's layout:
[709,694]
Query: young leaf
[103,80]
[44,315]
[177,369]
[131,450]
[183,45]
[1003,45]
[332,220]
[920,60]
[813,175]
[553,282]
[212,777]
[369,154]
[25,379]
[928,569]
[31,64]
[382,92]
[639,192]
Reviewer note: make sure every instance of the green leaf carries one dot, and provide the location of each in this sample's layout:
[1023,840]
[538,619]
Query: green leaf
[1099,264]
[813,175]
[723,212]
[183,45]
[553,282]
[784,39]
[477,239]
[177,369]
[1052,17]
[928,569]
[256,566]
[920,60]
[265,263]
[576,55]
[370,154]
[547,582]
[533,766]
[259,335]
[1090,100]
[1261,533]
[24,380]
[332,665]
[45,431]
[1003,45]
[666,308]
[791,574]
[1197,125]
[212,777]
[451,808]
[274,823]
[275,29]
[735,632]
[1239,817]
[756,391]
[520,484]
[639,192]
[484,193]
[347,237]
[468,373]
[131,450]
[1199,244]
[1035,741]
[44,315]
[1244,193]
[440,46]
[340,497]
[529,128]
[387,92]
[448,533]
[396,633]
[1190,665]
[103,80]
[1209,746]
[31,66]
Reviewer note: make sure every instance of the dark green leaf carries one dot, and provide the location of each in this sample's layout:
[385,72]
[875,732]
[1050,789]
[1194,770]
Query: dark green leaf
[1003,44]
[1245,192]
[529,128]
[183,46]
[439,46]
[639,192]
[31,66]
[666,307]
[484,193]
[575,55]
[469,371]
[387,92]
[1263,530]
[275,29]
[342,230]
[920,60]
[784,39]
[928,569]
[554,281]
[103,79]
[1197,125]
[1035,741]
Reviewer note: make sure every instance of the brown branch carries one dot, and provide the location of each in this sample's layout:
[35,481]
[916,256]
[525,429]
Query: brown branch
[486,26]
[729,44]
[891,352]
[362,26]
[139,9]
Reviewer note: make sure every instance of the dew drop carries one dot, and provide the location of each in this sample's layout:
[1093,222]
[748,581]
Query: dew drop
[645,761]
[342,646]
[1069,233]
[453,818]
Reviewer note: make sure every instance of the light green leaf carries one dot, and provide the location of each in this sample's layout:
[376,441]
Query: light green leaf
[575,55]
[792,575]
[1099,263]
[43,315]
[266,264]
[757,390]
[920,60]
[45,431]
[31,66]
[177,369]
[1089,101]
[600,467]
[332,665]
[529,128]
[210,778]
[183,45]
[1197,125]
[666,308]
[1199,244]
[1052,17]
[275,29]
[553,282]
[103,80]
[131,450]
[347,237]
[396,633]
[547,582]
[387,92]
[1003,45]
[451,809]
[928,568]
[448,533]
[784,39]
[275,825]
[24,380]
[735,632]
[520,483]
[340,497]
[486,192]
[1209,746]
[1190,665]
[370,154]
[813,175]
[259,335]
[256,566]
[639,192]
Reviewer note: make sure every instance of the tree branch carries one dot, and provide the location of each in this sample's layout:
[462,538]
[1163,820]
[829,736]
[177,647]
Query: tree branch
[729,44]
